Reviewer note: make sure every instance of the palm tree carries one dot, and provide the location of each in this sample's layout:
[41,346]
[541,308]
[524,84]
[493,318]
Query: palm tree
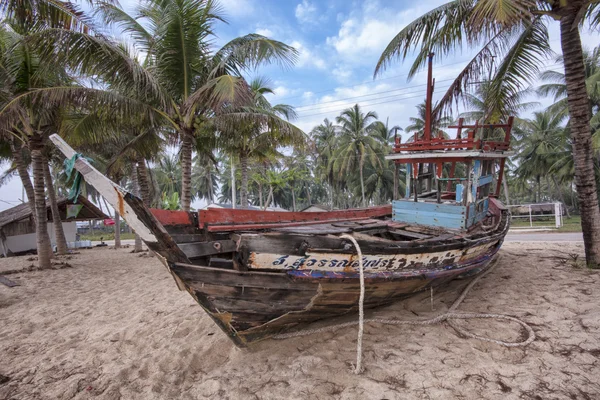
[357,143]
[557,88]
[256,139]
[543,139]
[417,124]
[31,122]
[324,137]
[516,32]
[181,84]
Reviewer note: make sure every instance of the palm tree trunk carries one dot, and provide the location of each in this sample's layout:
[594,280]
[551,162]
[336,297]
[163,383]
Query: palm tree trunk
[43,240]
[142,179]
[362,181]
[308,194]
[269,197]
[331,195]
[211,189]
[24,175]
[117,230]
[59,233]
[260,194]
[186,171]
[244,183]
[583,153]
[293,198]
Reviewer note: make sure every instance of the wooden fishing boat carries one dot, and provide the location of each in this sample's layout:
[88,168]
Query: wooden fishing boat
[261,273]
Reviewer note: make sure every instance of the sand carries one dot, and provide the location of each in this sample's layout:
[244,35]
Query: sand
[110,324]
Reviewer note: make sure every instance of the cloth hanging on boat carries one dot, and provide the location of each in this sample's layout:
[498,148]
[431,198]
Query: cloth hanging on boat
[69,165]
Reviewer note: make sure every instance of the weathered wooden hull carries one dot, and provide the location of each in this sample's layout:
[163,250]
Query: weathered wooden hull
[254,305]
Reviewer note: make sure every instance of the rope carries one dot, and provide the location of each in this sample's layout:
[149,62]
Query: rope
[446,317]
[361,301]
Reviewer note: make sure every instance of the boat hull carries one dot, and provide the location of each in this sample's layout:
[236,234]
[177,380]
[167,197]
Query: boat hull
[254,305]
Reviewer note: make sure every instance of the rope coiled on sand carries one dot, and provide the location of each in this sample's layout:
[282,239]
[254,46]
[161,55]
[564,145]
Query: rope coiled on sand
[447,317]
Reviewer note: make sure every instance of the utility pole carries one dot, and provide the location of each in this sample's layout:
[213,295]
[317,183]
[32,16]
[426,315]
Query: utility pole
[396,177]
[232,184]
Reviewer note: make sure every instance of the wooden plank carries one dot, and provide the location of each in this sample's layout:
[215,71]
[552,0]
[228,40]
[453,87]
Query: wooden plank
[318,229]
[201,249]
[216,276]
[7,282]
[250,227]
[170,217]
[131,208]
[188,237]
[221,216]
[431,218]
[411,235]
[410,206]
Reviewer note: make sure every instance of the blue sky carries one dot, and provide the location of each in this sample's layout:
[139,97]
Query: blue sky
[339,43]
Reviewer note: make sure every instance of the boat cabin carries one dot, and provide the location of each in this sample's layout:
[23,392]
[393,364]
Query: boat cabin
[449,181]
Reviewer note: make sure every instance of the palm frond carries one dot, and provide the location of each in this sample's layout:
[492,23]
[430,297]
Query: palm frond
[113,14]
[251,50]
[441,29]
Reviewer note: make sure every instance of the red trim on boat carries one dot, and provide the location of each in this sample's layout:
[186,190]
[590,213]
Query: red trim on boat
[168,217]
[229,217]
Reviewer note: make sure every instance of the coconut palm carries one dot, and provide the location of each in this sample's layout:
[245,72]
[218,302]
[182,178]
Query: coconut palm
[417,124]
[515,31]
[258,139]
[357,143]
[182,82]
[324,137]
[543,139]
[556,87]
[30,123]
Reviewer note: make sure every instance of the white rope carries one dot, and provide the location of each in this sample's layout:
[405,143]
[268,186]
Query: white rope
[361,301]
[446,317]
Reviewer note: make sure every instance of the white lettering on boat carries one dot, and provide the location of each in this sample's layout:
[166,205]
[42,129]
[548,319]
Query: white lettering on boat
[373,263]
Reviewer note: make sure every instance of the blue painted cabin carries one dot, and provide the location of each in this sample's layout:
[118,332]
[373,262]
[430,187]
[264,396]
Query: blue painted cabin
[449,181]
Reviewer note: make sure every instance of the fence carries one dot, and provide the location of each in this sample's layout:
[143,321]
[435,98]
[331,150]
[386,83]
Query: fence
[539,216]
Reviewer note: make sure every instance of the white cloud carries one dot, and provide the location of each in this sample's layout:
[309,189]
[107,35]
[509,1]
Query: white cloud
[306,12]
[315,109]
[342,73]
[364,34]
[237,8]
[306,57]
[265,32]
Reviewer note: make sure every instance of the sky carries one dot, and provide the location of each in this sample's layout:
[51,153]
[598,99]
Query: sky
[339,43]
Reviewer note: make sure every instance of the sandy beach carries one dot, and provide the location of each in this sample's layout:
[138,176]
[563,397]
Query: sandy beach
[110,324]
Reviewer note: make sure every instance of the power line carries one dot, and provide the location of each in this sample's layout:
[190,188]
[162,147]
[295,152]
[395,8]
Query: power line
[366,100]
[368,82]
[315,106]
[366,105]
[372,94]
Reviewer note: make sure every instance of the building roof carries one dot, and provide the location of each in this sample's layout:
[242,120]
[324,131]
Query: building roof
[250,207]
[23,211]
[321,206]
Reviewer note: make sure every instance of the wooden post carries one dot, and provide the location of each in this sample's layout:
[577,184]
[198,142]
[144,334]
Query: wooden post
[416,168]
[428,99]
[408,180]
